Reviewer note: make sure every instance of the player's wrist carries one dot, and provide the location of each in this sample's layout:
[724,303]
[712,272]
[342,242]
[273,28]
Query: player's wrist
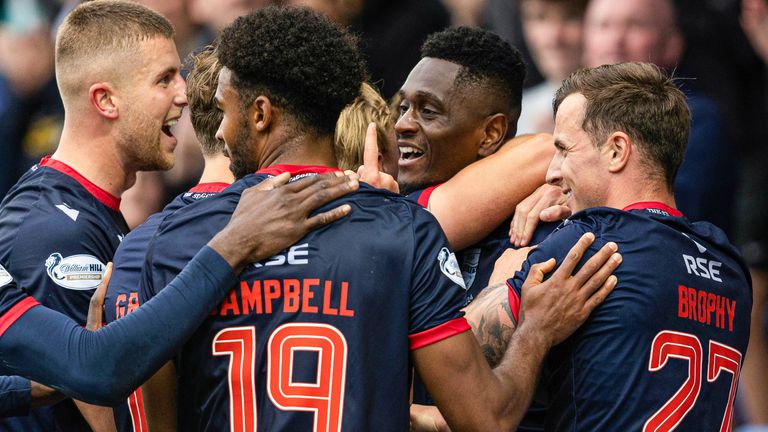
[228,245]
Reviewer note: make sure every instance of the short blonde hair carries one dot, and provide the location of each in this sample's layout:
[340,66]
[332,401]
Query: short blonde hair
[102,30]
[349,139]
[201,89]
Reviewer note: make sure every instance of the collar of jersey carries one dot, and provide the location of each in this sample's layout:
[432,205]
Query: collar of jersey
[653,204]
[297,170]
[209,187]
[100,194]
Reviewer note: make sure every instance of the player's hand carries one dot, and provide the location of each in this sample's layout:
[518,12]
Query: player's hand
[554,309]
[508,263]
[545,204]
[425,418]
[96,307]
[370,172]
[274,215]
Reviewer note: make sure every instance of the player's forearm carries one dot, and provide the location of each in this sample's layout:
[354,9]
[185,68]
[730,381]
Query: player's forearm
[481,196]
[104,367]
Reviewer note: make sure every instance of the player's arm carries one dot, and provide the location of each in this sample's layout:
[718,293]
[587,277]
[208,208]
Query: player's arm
[103,367]
[469,394]
[481,196]
[159,394]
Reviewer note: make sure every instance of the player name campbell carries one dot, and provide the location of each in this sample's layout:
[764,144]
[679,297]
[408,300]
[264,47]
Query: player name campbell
[312,296]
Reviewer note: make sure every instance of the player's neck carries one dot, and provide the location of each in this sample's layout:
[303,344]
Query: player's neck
[217,170]
[303,150]
[96,159]
[623,197]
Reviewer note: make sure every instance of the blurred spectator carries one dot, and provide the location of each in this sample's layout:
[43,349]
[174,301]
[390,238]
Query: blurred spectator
[465,12]
[647,30]
[553,31]
[390,31]
[754,21]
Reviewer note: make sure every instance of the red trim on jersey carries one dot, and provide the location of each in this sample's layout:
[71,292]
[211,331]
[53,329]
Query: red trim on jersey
[100,194]
[653,204]
[514,302]
[426,194]
[136,409]
[438,333]
[15,312]
[209,187]
[297,169]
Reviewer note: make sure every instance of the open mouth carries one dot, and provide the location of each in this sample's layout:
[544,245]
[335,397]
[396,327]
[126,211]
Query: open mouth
[166,128]
[410,153]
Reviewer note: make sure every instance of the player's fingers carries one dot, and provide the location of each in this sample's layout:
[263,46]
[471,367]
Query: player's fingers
[95,308]
[273,182]
[538,271]
[531,222]
[601,275]
[518,222]
[371,148]
[555,213]
[603,258]
[597,298]
[574,255]
[327,217]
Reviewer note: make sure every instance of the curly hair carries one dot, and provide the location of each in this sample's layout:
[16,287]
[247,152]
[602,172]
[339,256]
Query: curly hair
[305,64]
[485,59]
[201,88]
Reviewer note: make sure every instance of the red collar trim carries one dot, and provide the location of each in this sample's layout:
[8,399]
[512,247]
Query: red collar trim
[209,187]
[653,204]
[297,169]
[100,194]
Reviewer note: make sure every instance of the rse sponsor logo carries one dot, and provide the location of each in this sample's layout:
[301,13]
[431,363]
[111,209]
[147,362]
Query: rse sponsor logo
[450,266]
[5,277]
[703,267]
[76,272]
[295,255]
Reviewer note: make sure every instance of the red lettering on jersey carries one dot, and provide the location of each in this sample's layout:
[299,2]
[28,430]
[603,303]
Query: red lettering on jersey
[307,295]
[229,305]
[344,311]
[291,289]
[327,309]
[251,297]
[119,308]
[700,305]
[271,292]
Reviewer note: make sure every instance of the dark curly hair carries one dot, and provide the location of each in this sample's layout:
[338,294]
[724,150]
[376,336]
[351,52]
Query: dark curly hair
[485,59]
[305,64]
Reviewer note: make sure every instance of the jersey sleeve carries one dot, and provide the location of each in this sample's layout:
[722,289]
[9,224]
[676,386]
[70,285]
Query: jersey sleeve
[437,290]
[103,367]
[422,196]
[555,246]
[15,393]
[60,261]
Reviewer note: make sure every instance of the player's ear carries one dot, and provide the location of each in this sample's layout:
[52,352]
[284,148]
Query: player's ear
[103,98]
[494,132]
[261,113]
[617,149]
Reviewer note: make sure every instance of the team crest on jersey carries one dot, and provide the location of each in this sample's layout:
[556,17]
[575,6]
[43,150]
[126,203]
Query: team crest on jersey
[76,272]
[5,277]
[450,266]
[470,261]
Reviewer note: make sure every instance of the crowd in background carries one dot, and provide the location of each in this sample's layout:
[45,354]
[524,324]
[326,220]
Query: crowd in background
[718,50]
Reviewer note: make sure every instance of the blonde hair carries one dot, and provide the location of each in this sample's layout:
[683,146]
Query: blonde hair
[349,139]
[201,88]
[99,32]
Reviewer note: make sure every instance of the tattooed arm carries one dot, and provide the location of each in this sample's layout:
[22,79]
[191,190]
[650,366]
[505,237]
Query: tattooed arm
[492,321]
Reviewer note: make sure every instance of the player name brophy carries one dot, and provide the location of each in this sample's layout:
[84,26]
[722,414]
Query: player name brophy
[312,296]
[705,307]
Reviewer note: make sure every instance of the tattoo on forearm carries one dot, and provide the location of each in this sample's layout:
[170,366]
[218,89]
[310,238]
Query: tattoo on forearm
[492,322]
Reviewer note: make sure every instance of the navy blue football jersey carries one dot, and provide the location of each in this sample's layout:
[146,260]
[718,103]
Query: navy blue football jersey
[665,349]
[57,232]
[122,295]
[319,335]
[477,261]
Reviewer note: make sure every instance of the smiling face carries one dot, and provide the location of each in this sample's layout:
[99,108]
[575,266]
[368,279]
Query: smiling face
[152,101]
[578,166]
[234,130]
[440,128]
[553,31]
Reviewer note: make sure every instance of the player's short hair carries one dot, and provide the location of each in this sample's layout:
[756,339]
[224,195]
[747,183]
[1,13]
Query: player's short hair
[349,139]
[102,29]
[201,88]
[303,62]
[486,60]
[640,100]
